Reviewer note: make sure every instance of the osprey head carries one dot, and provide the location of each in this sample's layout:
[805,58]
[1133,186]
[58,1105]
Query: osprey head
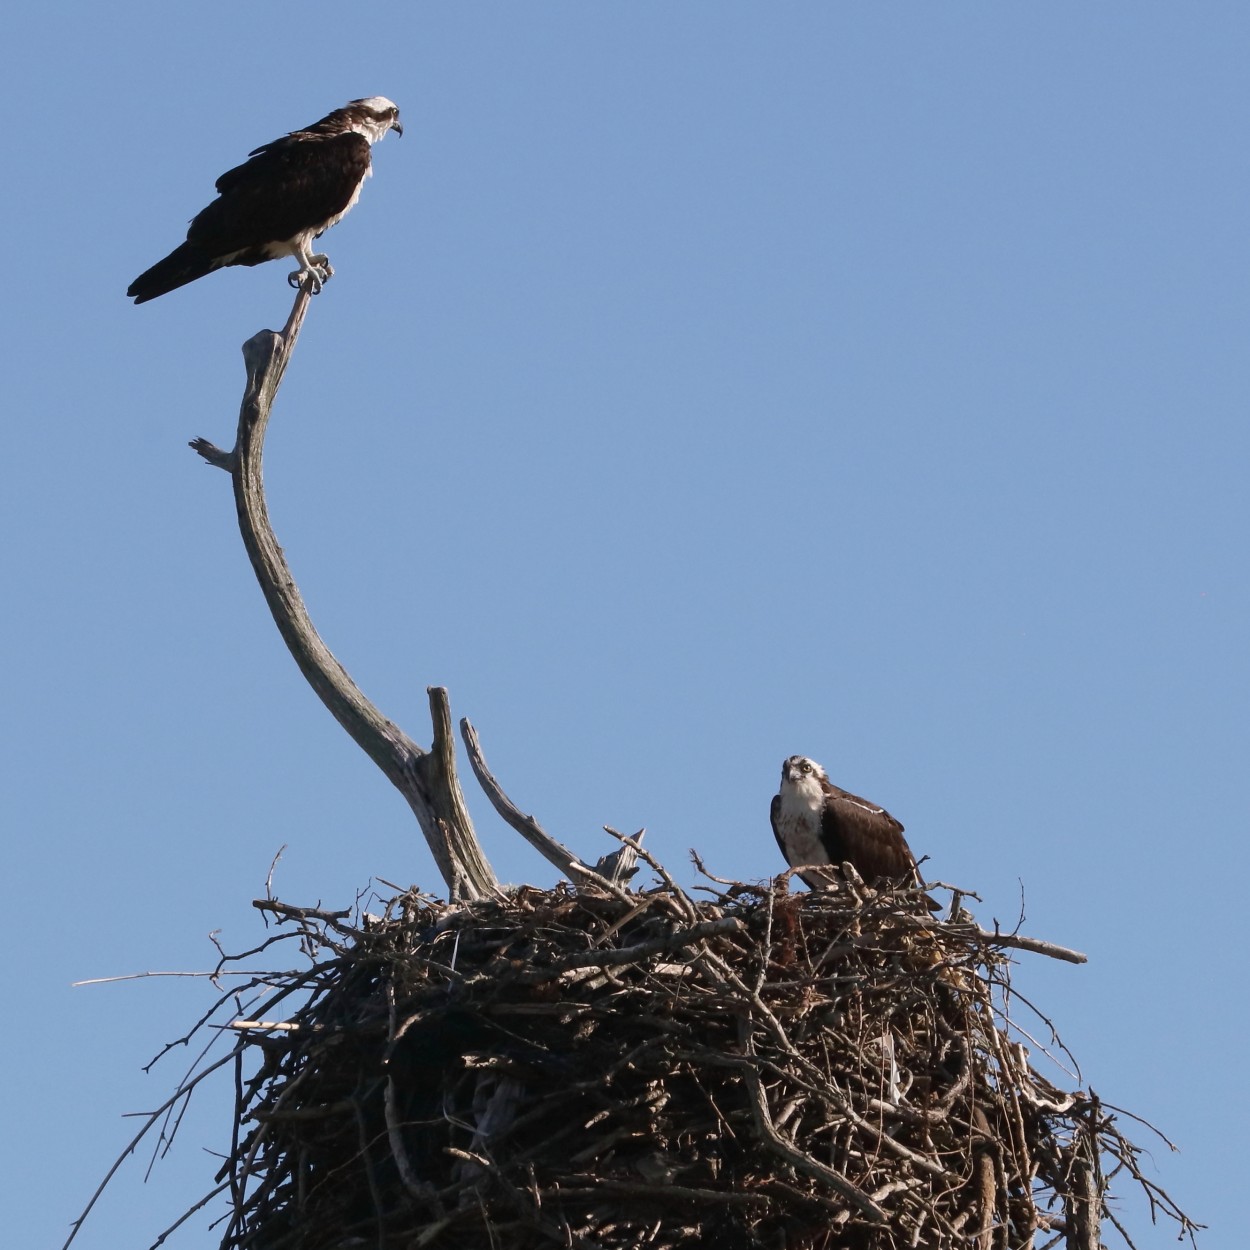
[798,768]
[372,117]
[801,776]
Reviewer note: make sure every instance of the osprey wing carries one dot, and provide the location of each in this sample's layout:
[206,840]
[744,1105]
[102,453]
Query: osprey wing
[774,810]
[868,836]
[284,189]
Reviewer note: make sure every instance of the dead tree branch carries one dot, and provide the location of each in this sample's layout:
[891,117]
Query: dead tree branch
[427,780]
[549,848]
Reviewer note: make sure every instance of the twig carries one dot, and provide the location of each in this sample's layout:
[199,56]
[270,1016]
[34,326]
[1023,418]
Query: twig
[143,976]
[188,1213]
[181,1092]
[685,905]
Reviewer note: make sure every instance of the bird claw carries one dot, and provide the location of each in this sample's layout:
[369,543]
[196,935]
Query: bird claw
[312,276]
[317,274]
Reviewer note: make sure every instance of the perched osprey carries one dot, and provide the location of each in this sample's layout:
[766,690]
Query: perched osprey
[816,823]
[288,193]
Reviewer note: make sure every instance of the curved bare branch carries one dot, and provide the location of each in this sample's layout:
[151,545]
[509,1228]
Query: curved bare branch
[610,872]
[426,780]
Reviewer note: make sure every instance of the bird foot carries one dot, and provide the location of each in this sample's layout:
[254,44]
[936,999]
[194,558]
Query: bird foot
[318,273]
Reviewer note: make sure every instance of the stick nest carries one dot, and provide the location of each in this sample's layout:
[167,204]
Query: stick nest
[625,1069]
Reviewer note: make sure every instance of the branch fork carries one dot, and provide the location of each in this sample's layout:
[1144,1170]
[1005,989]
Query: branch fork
[427,779]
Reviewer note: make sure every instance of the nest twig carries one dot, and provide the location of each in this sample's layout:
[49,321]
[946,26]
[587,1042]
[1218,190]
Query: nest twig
[641,1068]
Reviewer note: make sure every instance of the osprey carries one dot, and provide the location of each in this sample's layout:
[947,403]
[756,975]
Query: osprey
[288,193]
[816,823]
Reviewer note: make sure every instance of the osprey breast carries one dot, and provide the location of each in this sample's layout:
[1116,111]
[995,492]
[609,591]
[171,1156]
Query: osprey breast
[798,822]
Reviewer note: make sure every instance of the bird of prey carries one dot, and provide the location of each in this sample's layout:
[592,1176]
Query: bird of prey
[285,195]
[816,823]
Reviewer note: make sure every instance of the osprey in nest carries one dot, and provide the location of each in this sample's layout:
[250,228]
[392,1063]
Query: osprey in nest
[817,823]
[288,193]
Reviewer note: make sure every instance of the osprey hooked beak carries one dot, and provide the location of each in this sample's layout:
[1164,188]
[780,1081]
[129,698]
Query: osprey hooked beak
[397,128]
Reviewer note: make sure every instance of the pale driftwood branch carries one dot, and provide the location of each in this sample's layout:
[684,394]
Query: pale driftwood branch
[619,865]
[427,782]
[549,848]
[1016,941]
[440,781]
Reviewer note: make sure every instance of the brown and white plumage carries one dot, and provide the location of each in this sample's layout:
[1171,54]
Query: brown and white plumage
[288,193]
[816,823]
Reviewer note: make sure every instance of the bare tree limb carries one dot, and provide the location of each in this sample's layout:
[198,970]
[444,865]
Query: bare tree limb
[427,782]
[1017,941]
[548,847]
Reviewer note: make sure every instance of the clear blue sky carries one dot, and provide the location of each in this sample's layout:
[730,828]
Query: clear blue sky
[700,384]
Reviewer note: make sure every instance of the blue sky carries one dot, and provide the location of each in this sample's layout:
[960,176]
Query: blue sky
[699,385]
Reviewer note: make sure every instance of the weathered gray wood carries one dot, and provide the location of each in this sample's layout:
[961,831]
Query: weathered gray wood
[548,847]
[427,780]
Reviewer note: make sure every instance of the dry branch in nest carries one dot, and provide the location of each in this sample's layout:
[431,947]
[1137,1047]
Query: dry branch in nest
[592,1069]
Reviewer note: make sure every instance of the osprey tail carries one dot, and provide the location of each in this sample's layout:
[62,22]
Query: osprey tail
[184,264]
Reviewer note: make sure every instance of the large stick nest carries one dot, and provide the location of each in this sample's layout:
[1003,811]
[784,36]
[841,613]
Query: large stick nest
[624,1069]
